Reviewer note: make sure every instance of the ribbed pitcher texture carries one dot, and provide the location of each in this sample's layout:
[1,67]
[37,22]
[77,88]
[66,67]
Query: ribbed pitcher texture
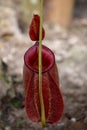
[52,97]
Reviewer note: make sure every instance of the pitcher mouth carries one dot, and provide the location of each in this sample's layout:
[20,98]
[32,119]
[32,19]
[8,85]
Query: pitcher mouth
[31,58]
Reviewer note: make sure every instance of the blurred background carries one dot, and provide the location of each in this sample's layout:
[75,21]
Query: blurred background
[65,23]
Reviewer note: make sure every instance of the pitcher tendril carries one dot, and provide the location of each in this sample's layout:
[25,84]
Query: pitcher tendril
[43,120]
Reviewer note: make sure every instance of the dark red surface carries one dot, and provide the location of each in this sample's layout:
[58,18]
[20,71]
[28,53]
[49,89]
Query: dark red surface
[53,101]
[34,29]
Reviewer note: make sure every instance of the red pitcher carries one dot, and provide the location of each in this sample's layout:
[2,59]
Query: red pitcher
[52,97]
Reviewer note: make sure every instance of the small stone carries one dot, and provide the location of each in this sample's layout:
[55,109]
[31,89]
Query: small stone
[7,128]
[73,119]
[73,40]
[33,1]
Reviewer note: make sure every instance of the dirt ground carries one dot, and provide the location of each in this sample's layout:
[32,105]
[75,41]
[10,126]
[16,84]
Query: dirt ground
[70,49]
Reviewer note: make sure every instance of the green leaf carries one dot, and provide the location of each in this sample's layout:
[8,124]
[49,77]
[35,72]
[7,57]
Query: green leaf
[16,102]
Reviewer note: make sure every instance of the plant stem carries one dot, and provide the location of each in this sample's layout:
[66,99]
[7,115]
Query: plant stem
[43,120]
